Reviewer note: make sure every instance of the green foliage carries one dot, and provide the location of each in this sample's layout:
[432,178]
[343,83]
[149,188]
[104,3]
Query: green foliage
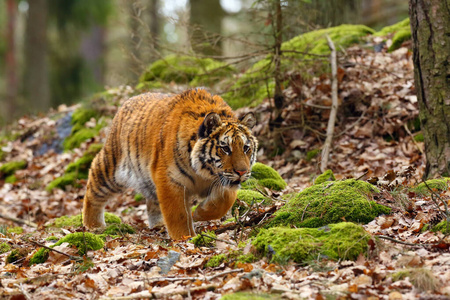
[330,202]
[419,137]
[311,154]
[216,260]
[186,69]
[79,132]
[442,227]
[336,241]
[325,176]
[265,176]
[76,170]
[246,258]
[423,279]
[393,28]
[11,167]
[438,185]
[251,88]
[138,197]
[206,240]
[83,241]
[52,238]
[16,230]
[4,247]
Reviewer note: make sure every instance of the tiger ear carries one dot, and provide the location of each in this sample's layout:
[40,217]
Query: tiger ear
[211,121]
[249,120]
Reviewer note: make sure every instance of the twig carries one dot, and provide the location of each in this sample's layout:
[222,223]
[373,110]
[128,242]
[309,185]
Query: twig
[401,242]
[252,221]
[72,257]
[334,107]
[217,239]
[19,221]
[412,137]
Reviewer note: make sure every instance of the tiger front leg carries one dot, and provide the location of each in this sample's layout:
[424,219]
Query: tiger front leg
[176,210]
[215,206]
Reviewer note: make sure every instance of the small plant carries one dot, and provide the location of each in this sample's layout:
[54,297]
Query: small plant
[207,239]
[216,260]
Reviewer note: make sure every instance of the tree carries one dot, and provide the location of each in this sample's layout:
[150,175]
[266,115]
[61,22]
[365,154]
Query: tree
[430,28]
[36,75]
[11,62]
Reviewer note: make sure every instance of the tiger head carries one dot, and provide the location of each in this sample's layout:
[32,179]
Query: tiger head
[225,150]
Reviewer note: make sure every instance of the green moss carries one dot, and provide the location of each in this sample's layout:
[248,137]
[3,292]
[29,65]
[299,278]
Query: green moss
[77,221]
[249,197]
[325,176]
[207,240]
[419,137]
[393,28]
[83,241]
[264,176]
[14,256]
[311,154]
[185,69]
[400,37]
[246,258]
[82,115]
[119,229]
[216,260]
[83,266]
[138,197]
[16,230]
[11,179]
[423,279]
[251,88]
[330,202]
[4,247]
[442,227]
[11,167]
[52,238]
[79,132]
[63,181]
[249,296]
[438,185]
[336,241]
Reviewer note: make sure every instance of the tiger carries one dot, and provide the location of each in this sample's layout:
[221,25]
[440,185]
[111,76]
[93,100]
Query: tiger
[172,149]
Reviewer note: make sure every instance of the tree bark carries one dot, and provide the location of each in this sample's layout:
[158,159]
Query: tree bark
[36,80]
[11,63]
[430,28]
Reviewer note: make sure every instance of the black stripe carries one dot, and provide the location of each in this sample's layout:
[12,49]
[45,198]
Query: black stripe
[183,171]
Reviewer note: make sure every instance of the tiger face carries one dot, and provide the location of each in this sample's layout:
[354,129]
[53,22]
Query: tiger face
[225,151]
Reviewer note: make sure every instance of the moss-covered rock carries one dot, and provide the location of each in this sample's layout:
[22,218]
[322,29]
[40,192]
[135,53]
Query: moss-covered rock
[79,132]
[393,28]
[15,255]
[337,241]
[83,241]
[77,221]
[330,202]
[9,168]
[265,176]
[206,240]
[4,247]
[251,88]
[325,176]
[216,260]
[186,69]
[76,170]
[401,32]
[248,197]
[438,185]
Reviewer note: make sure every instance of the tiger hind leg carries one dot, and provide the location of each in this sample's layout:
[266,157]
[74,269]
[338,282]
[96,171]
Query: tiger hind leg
[155,218]
[100,187]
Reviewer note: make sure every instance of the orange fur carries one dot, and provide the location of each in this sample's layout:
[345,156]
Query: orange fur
[173,148]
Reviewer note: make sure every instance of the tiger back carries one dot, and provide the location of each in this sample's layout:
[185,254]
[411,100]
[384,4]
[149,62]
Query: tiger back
[172,149]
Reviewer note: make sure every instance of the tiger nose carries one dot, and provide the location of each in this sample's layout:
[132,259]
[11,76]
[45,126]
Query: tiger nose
[241,172]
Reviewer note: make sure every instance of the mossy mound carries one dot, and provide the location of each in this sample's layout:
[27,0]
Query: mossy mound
[83,241]
[337,241]
[249,197]
[16,230]
[330,202]
[16,254]
[206,240]
[79,132]
[263,175]
[325,176]
[9,168]
[4,247]
[442,227]
[76,170]
[251,88]
[401,32]
[438,185]
[186,69]
[118,229]
[77,221]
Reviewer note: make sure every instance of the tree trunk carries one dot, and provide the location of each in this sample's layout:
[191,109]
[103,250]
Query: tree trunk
[430,28]
[154,27]
[11,63]
[36,80]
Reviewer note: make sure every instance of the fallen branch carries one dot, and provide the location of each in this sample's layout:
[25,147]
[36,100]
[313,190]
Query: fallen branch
[254,220]
[19,221]
[412,137]
[402,242]
[217,239]
[71,257]
[334,107]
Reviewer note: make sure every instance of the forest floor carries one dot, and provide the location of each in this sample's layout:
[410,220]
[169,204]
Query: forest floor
[375,139]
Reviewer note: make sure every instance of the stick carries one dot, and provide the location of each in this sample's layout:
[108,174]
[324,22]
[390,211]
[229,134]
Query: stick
[19,221]
[412,137]
[76,258]
[252,221]
[214,238]
[402,242]
[334,107]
